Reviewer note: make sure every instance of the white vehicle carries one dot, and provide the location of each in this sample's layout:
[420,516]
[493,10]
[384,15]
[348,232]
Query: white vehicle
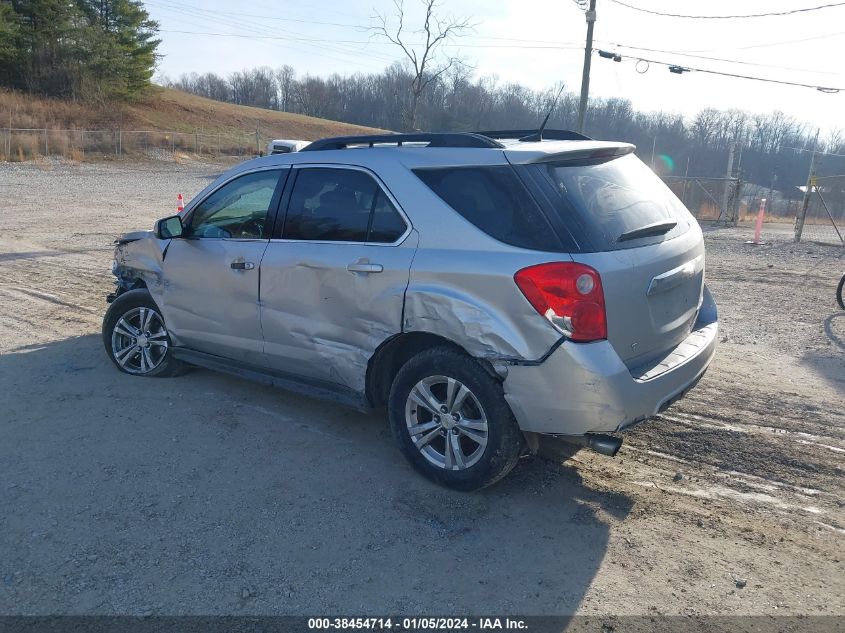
[283,146]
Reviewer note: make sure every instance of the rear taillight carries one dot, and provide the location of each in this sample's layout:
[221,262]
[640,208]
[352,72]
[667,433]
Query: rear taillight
[569,295]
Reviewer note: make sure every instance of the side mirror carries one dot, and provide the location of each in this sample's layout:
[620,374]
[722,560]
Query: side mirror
[168,228]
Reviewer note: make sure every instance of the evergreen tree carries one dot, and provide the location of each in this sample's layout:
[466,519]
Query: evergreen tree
[8,42]
[81,49]
[124,47]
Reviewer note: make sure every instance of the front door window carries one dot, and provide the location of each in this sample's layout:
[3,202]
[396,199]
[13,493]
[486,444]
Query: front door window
[238,209]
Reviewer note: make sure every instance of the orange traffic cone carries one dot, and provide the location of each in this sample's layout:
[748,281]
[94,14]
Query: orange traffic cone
[758,225]
[180,206]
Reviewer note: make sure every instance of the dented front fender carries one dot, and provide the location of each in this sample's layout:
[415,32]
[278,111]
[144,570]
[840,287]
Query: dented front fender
[139,256]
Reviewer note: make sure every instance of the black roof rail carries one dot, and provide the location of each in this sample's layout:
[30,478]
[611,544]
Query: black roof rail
[444,139]
[531,135]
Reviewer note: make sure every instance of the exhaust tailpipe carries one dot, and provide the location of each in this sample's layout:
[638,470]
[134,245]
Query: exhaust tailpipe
[562,447]
[604,444]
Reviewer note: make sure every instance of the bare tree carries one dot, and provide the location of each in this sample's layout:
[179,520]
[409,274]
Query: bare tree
[285,80]
[427,64]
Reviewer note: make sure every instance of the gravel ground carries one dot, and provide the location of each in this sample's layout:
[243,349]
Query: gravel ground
[211,495]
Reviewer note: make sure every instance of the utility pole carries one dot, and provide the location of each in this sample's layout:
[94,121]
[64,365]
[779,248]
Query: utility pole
[811,182]
[588,56]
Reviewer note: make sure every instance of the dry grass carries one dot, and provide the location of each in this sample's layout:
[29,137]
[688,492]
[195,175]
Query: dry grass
[168,109]
[162,109]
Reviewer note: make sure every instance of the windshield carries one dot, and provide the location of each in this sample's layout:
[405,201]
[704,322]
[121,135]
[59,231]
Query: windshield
[614,202]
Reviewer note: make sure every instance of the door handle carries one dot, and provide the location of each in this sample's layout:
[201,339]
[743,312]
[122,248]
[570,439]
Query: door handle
[360,267]
[242,265]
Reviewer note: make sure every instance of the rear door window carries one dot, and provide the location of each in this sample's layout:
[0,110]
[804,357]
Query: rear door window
[494,199]
[340,205]
[604,201]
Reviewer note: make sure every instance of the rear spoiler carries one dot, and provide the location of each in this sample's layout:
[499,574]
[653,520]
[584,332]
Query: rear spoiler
[594,152]
[528,136]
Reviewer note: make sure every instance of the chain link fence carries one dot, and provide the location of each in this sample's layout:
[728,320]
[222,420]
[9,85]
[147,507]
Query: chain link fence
[708,199]
[824,221]
[21,144]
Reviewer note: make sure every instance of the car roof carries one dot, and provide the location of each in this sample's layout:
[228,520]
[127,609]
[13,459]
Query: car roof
[429,150]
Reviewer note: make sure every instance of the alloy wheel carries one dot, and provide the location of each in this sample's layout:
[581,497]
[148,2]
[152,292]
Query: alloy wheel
[139,340]
[446,423]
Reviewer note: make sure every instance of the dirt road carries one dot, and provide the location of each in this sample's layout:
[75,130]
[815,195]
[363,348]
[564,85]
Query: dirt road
[210,495]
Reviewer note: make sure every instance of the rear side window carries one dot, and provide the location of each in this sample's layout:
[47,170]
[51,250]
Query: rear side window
[340,205]
[496,201]
[610,199]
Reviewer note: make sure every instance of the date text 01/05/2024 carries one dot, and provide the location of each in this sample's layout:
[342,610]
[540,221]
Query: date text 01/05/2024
[416,624]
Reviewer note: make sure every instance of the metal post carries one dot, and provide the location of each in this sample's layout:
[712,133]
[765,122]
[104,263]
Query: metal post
[830,215]
[218,143]
[686,180]
[46,144]
[257,142]
[729,170]
[585,75]
[811,182]
[119,143]
[196,142]
[771,198]
[653,147]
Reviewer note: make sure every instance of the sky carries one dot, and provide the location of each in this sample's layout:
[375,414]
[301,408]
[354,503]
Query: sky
[539,43]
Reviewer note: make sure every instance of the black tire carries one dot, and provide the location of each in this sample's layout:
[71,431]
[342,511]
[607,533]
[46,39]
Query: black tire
[504,440]
[839,290]
[130,303]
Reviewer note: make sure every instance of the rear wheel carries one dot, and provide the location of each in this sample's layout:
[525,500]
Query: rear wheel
[839,290]
[451,420]
[135,336]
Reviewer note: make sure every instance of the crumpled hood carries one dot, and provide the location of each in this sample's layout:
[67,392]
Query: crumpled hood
[133,236]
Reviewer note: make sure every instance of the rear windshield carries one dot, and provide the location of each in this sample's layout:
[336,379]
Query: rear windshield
[610,201]
[494,199]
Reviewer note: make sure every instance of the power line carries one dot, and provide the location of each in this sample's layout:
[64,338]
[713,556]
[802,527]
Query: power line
[804,39]
[698,50]
[307,40]
[308,7]
[263,17]
[213,16]
[728,17]
[682,69]
[328,44]
[333,46]
[718,59]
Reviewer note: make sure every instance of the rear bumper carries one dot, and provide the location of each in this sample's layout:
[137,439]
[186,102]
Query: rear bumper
[586,388]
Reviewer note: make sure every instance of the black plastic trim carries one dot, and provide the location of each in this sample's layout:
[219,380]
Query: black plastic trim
[315,388]
[436,139]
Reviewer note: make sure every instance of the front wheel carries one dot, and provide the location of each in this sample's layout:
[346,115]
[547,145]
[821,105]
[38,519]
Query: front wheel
[135,336]
[451,420]
[839,290]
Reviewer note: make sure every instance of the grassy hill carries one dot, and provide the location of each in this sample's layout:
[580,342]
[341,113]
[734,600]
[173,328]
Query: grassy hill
[165,109]
[179,121]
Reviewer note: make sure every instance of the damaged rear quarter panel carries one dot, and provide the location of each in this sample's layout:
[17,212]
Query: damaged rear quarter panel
[474,302]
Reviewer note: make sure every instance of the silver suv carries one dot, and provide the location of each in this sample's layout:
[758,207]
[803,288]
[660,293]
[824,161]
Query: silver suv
[490,290]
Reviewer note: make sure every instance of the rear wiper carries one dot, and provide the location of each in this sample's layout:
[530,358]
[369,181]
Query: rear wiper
[655,228]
